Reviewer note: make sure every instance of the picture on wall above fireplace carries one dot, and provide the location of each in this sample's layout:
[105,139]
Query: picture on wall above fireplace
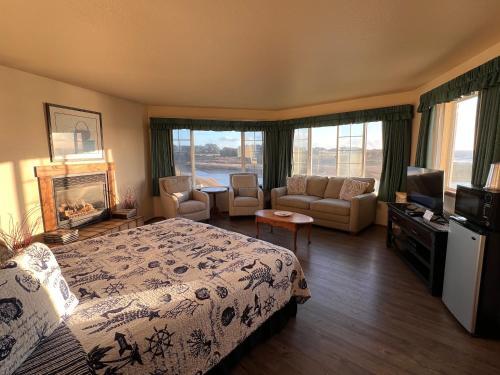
[74,134]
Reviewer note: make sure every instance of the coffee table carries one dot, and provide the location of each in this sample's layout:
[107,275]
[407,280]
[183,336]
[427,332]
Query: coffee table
[292,223]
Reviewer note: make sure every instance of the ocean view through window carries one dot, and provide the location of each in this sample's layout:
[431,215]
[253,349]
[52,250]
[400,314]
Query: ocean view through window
[211,156]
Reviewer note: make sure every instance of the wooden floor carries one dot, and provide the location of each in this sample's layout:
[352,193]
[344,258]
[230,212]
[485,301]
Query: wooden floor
[368,314]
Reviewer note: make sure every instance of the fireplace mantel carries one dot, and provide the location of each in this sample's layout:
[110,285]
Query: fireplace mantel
[46,173]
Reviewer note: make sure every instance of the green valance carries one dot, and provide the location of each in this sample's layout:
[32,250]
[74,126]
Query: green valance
[483,77]
[395,113]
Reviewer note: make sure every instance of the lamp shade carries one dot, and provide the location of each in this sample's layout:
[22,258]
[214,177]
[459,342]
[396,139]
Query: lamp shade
[493,181]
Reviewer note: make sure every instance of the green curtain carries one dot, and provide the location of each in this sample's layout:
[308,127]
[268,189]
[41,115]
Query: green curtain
[396,144]
[400,112]
[484,76]
[278,155]
[487,139]
[423,138]
[162,156]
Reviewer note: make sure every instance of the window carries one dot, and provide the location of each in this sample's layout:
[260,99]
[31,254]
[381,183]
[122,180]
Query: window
[460,166]
[351,139]
[210,156]
[451,140]
[253,154]
[324,151]
[182,152]
[300,151]
[351,150]
[373,153]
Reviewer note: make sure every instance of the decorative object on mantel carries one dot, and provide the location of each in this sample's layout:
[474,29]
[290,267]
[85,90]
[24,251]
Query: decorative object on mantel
[50,177]
[74,134]
[19,234]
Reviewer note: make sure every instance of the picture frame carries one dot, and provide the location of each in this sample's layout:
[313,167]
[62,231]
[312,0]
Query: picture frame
[75,134]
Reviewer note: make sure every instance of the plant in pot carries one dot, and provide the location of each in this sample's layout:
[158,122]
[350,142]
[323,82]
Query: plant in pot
[129,199]
[18,234]
[127,206]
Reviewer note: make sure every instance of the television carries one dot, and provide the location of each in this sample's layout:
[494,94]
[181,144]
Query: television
[425,187]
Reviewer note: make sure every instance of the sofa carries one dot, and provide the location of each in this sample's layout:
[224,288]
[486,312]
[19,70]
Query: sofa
[245,195]
[180,199]
[322,203]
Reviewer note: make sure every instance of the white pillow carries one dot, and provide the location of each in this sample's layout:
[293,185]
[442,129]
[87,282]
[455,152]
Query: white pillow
[34,298]
[296,185]
[352,188]
[182,196]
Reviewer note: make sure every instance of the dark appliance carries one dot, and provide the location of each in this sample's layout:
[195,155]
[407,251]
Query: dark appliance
[479,206]
[425,187]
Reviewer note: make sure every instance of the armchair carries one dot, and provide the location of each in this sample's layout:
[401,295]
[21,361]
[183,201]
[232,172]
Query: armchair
[180,199]
[245,195]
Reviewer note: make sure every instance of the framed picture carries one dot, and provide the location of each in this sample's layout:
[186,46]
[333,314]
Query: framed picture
[74,134]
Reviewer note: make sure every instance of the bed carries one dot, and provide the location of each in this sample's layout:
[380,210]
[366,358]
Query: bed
[175,297]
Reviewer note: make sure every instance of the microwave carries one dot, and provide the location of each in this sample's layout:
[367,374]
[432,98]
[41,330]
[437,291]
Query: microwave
[479,206]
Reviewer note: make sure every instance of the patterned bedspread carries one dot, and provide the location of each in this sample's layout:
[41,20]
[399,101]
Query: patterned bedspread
[174,297]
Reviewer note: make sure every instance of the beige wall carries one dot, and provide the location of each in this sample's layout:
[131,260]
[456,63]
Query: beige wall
[24,144]
[313,110]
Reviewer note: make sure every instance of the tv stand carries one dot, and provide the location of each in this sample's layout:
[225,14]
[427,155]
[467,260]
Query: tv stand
[422,245]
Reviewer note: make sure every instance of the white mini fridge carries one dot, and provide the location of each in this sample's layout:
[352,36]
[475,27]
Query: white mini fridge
[462,275]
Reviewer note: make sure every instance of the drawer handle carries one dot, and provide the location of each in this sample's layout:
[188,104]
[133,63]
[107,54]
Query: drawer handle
[413,231]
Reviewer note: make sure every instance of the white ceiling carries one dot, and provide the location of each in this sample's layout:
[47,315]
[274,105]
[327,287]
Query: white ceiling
[259,54]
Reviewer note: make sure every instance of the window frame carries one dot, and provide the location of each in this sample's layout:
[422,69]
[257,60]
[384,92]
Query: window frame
[192,146]
[309,150]
[447,148]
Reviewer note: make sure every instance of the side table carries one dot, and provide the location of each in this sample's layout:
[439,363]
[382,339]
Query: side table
[214,190]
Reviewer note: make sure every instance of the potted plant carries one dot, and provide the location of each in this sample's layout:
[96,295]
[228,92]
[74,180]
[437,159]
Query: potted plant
[19,235]
[127,207]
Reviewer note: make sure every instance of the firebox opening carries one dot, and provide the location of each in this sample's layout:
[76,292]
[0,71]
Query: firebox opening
[81,199]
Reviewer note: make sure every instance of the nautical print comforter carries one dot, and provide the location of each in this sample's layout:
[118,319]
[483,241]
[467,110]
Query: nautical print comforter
[173,297]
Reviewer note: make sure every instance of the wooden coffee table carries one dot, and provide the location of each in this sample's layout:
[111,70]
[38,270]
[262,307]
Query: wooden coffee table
[293,223]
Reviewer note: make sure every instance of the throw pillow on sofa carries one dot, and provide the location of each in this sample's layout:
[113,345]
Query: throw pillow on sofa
[296,185]
[34,298]
[352,188]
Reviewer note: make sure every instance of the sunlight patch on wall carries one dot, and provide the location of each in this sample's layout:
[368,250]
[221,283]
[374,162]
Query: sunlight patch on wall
[8,203]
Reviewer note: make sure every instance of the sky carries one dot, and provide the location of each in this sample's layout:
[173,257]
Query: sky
[326,136]
[466,123]
[322,137]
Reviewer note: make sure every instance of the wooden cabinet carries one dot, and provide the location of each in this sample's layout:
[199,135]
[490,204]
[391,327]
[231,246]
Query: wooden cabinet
[421,245]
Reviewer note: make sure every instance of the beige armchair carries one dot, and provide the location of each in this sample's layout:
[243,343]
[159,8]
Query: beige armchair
[180,199]
[245,195]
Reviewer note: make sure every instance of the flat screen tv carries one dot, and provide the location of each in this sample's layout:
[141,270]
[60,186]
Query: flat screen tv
[425,187]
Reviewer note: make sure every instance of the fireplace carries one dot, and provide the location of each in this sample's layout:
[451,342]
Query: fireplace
[81,199]
[74,195]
